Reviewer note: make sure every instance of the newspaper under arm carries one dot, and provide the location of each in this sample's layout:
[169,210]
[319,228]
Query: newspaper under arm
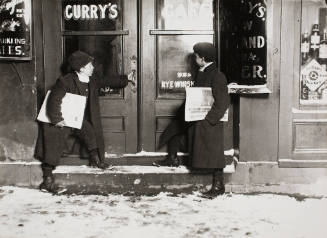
[72,109]
[198,103]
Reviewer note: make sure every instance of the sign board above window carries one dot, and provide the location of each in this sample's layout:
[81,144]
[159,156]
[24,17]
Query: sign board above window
[15,30]
[96,15]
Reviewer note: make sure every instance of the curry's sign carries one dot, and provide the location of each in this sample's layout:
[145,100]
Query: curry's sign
[98,10]
[15,30]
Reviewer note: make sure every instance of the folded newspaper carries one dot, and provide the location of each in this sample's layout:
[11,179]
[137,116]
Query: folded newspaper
[198,102]
[72,109]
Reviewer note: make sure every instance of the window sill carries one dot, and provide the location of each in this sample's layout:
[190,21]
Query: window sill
[234,88]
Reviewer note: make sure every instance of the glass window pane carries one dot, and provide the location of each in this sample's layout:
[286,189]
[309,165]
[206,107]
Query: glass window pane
[185,14]
[106,50]
[253,43]
[92,15]
[175,63]
[313,76]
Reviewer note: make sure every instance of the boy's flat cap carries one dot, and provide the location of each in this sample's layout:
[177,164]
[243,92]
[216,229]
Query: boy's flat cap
[206,50]
[79,59]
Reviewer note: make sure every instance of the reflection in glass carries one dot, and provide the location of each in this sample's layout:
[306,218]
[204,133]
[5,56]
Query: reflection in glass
[185,14]
[175,63]
[107,53]
[92,15]
[313,77]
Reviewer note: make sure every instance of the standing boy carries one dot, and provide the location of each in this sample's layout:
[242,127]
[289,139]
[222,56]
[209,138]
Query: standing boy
[52,137]
[205,138]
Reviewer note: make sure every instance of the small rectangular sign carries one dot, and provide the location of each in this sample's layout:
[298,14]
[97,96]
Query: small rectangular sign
[15,30]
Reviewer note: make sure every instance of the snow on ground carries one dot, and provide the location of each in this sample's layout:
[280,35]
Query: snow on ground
[29,213]
[130,169]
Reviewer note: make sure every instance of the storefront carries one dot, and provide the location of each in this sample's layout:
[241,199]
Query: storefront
[152,38]
[272,52]
[302,120]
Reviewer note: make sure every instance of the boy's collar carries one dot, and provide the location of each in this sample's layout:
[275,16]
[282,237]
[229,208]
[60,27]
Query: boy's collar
[82,77]
[205,66]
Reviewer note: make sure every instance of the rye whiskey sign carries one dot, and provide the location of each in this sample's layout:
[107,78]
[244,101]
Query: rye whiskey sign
[15,30]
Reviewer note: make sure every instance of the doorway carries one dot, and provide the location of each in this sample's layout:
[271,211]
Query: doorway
[158,35]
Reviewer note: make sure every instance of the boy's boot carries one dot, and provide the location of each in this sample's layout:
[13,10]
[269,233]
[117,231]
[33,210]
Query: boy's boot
[95,161]
[48,183]
[171,161]
[218,186]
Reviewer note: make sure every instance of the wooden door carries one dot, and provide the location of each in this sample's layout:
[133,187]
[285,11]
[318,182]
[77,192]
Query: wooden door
[169,29]
[108,31]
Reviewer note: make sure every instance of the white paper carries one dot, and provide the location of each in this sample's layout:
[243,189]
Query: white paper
[72,109]
[198,102]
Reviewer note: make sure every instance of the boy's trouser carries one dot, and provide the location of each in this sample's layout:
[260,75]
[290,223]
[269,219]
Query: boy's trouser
[53,151]
[176,143]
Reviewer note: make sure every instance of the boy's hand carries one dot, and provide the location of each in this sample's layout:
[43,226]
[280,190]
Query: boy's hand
[61,124]
[131,77]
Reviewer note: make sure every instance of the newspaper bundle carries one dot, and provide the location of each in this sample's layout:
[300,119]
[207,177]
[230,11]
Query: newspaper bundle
[72,109]
[198,102]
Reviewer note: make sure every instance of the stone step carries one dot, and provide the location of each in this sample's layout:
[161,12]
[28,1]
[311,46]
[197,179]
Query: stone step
[141,158]
[138,180]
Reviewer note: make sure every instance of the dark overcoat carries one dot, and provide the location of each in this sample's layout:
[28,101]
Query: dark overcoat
[206,137]
[51,139]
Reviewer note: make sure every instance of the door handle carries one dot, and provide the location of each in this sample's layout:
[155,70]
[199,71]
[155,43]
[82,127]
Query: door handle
[132,76]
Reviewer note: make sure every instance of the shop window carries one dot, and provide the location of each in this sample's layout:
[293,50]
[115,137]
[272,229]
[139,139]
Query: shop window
[95,26]
[302,112]
[244,41]
[180,24]
[313,72]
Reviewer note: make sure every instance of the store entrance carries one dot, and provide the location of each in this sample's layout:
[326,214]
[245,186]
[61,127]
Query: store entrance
[170,28]
[153,39]
[107,31]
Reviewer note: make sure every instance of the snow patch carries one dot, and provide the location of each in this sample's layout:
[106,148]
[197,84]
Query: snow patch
[137,181]
[229,152]
[136,169]
[27,213]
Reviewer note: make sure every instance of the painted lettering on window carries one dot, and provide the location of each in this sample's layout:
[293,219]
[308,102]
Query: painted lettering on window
[185,14]
[176,84]
[253,42]
[90,12]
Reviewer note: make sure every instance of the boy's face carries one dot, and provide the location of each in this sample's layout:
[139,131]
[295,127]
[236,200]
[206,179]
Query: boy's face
[87,69]
[200,61]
